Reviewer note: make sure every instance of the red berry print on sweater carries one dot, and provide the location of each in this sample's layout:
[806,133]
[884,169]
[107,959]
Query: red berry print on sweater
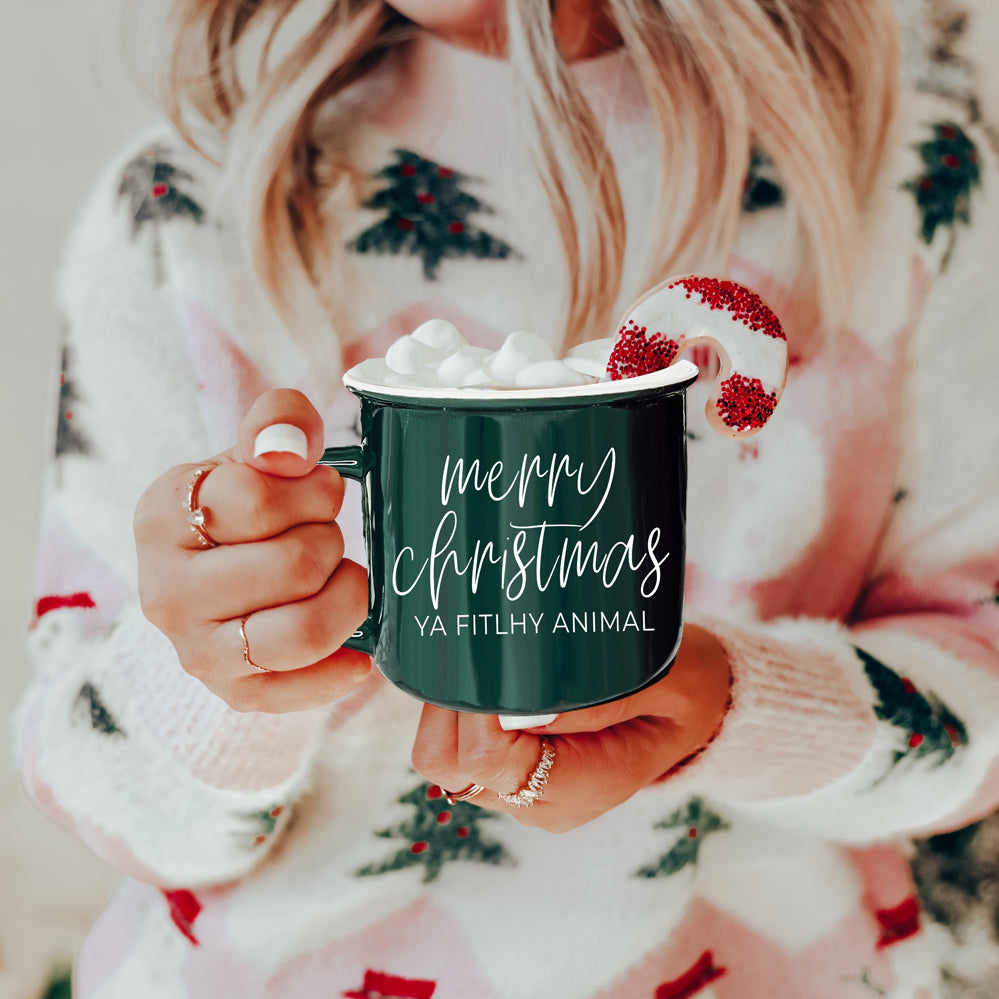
[184,910]
[437,834]
[69,437]
[263,824]
[427,213]
[152,185]
[929,730]
[693,824]
[378,985]
[951,172]
[698,977]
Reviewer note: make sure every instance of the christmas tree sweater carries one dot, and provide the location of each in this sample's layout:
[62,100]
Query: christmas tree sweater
[847,558]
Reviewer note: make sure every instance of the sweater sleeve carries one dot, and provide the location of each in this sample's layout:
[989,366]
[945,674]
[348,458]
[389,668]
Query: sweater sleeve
[887,723]
[115,741]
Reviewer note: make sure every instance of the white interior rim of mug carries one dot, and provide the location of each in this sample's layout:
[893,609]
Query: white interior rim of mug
[679,371]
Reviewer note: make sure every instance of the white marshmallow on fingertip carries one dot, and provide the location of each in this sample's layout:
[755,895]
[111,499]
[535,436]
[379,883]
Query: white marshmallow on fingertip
[439,334]
[513,723]
[284,438]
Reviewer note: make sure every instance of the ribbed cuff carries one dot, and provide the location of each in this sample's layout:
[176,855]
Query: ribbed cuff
[240,751]
[799,718]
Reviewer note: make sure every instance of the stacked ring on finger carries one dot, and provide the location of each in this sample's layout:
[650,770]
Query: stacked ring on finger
[246,647]
[537,779]
[453,797]
[197,516]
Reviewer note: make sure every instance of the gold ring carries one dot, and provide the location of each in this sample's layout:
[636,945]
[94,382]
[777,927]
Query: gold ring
[537,780]
[198,515]
[470,792]
[246,648]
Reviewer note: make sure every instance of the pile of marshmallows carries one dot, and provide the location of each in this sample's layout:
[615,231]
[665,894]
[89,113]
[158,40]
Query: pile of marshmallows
[436,355]
[673,316]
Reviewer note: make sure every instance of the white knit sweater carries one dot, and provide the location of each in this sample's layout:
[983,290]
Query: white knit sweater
[848,558]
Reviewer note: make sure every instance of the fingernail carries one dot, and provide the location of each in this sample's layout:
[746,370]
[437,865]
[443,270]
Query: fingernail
[510,723]
[281,437]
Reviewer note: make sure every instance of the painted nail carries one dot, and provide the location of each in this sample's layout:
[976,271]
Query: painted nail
[281,437]
[510,723]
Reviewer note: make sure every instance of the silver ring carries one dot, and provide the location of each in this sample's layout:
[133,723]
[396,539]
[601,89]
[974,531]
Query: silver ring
[537,780]
[197,516]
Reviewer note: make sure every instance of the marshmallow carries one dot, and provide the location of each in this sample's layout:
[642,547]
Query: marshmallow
[518,351]
[374,369]
[548,374]
[424,378]
[591,358]
[436,355]
[478,379]
[406,356]
[439,334]
[464,363]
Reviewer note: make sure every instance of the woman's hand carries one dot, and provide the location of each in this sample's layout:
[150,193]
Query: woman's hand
[603,755]
[277,569]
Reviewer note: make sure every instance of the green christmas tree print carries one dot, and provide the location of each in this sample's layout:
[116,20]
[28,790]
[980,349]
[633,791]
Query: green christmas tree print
[929,729]
[951,170]
[437,834]
[152,185]
[263,824]
[427,215]
[868,983]
[761,189]
[101,719]
[59,985]
[69,438]
[695,821]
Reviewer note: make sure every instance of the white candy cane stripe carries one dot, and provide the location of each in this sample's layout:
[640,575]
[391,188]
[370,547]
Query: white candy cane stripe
[685,311]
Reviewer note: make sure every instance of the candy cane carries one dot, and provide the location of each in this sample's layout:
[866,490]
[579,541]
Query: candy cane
[683,312]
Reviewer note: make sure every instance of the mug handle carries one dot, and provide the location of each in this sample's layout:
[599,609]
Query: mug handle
[351,461]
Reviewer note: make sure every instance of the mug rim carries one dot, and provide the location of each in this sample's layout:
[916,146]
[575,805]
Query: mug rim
[678,375]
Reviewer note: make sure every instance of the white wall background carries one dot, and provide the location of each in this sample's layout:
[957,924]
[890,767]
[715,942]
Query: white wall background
[66,103]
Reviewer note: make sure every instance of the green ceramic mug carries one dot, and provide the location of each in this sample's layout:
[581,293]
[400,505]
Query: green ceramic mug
[525,547]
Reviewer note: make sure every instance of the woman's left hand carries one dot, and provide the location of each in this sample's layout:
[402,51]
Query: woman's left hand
[603,755]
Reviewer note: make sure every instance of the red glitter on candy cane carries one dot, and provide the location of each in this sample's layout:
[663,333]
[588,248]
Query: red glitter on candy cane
[740,302]
[638,352]
[744,403]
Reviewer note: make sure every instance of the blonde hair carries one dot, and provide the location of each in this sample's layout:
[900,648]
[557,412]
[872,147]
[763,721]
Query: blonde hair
[811,83]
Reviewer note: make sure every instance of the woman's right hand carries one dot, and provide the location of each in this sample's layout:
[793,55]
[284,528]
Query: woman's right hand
[278,566]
